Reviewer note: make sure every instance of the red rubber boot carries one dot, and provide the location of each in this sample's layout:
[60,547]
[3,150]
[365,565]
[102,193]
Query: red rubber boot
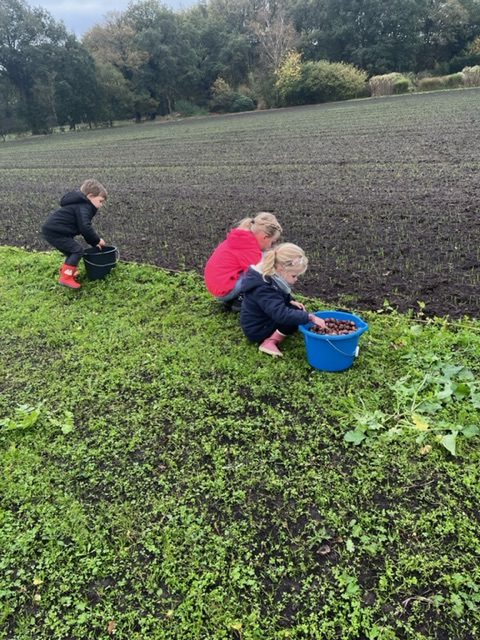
[67,277]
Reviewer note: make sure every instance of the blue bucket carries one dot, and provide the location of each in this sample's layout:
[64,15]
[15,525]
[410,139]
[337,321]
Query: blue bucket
[333,353]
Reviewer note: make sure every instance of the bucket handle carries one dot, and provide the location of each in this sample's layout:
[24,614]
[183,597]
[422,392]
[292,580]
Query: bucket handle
[348,355]
[107,264]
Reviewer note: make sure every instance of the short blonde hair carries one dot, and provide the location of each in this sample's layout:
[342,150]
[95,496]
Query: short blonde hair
[286,255]
[263,222]
[93,187]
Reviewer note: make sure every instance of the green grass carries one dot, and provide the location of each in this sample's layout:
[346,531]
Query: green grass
[161,478]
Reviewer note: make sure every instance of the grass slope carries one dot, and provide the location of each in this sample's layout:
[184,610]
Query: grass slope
[161,478]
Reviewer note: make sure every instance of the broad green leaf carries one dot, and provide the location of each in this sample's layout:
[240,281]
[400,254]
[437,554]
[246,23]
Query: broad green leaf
[449,442]
[354,437]
[461,390]
[471,431]
[451,370]
[466,374]
[68,424]
[426,406]
[476,399]
[447,391]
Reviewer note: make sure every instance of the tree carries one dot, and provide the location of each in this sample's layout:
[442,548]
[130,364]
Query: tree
[275,35]
[10,121]
[447,27]
[115,99]
[46,65]
[76,87]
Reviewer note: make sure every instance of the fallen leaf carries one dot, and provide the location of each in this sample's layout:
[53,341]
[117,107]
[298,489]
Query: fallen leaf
[420,423]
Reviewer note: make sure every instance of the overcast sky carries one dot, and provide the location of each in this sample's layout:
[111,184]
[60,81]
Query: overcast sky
[79,16]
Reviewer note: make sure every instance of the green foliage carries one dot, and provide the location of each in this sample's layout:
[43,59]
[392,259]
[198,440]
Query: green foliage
[402,85]
[242,103]
[187,108]
[161,478]
[225,99]
[33,48]
[314,82]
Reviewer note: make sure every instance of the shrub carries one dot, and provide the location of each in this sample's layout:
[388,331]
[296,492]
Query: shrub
[225,99]
[222,95]
[328,81]
[472,76]
[434,83]
[288,79]
[402,85]
[454,80]
[242,103]
[187,108]
[431,84]
[389,84]
[321,81]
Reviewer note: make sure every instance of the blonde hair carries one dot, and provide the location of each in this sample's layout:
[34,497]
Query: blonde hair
[286,255]
[93,187]
[263,222]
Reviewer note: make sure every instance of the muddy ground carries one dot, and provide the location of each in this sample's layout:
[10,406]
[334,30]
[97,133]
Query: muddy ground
[382,194]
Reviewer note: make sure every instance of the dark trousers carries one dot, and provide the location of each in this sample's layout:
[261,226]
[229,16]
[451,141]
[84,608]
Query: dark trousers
[70,248]
[287,330]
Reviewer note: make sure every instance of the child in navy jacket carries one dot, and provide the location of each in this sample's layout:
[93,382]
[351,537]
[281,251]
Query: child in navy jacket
[74,218]
[269,313]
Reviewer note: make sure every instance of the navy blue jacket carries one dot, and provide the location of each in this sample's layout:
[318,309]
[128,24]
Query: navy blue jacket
[266,307]
[74,218]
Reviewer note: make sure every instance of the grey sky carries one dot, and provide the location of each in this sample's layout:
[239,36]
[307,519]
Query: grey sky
[81,15]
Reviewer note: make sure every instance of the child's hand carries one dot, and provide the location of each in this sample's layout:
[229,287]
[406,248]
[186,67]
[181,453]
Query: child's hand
[316,320]
[297,304]
[101,243]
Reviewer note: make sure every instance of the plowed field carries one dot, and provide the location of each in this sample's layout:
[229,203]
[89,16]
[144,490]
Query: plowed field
[383,194]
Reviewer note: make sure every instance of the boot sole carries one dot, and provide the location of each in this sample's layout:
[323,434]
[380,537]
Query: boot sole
[62,284]
[271,353]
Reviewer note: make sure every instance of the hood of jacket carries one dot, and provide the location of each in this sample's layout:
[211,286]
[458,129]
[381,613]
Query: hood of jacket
[75,197]
[238,239]
[254,279]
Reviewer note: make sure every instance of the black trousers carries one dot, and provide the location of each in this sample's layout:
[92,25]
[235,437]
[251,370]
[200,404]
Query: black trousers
[286,329]
[67,245]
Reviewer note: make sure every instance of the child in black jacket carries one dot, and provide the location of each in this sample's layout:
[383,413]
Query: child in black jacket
[269,313]
[77,208]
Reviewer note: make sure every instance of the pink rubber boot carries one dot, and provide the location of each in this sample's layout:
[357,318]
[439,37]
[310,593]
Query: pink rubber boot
[270,344]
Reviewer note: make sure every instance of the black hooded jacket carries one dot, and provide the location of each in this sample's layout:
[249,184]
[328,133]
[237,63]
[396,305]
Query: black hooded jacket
[74,218]
[266,307]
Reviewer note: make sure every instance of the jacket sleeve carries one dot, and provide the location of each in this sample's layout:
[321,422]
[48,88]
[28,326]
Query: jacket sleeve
[84,222]
[274,305]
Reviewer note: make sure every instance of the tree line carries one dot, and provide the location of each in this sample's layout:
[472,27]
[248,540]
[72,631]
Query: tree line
[218,55]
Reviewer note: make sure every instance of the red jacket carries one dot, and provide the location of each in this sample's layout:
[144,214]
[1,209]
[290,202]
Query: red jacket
[230,259]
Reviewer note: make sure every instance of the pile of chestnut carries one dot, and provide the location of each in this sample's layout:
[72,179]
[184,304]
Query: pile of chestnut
[335,327]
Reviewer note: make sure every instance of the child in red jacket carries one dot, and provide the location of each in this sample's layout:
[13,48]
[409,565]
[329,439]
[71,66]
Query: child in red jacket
[243,247]
[74,218]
